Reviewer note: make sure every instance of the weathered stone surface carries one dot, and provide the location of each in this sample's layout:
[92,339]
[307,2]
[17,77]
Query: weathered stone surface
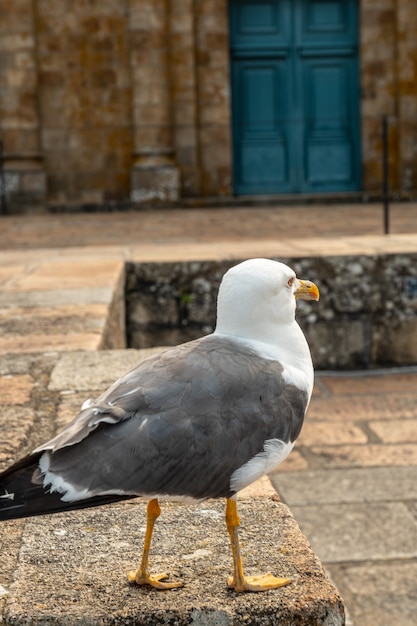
[366,456]
[378,597]
[395,341]
[333,433]
[80,371]
[19,421]
[360,296]
[90,552]
[16,389]
[359,532]
[24,175]
[395,431]
[374,484]
[375,407]
[73,568]
[322,497]
[44,320]
[114,332]
[51,297]
[59,296]
[153,184]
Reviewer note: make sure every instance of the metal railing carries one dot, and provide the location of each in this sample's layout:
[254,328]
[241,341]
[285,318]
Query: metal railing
[3,195]
[385,172]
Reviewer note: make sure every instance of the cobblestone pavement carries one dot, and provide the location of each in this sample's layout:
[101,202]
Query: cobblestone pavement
[352,479]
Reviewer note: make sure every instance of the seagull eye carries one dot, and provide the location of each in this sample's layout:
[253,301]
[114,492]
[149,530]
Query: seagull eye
[290,281]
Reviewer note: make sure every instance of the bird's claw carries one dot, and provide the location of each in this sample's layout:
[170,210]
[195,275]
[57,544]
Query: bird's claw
[139,578]
[257,583]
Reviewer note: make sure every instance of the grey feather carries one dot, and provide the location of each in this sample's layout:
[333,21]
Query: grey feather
[180,423]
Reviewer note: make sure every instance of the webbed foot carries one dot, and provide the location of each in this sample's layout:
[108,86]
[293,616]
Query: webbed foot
[139,578]
[257,583]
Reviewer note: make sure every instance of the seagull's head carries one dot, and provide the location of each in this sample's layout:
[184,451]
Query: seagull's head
[258,297]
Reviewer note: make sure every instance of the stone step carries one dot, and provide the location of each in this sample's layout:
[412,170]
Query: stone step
[72,568]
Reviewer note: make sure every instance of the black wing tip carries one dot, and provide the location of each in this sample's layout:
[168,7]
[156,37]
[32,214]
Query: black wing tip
[26,462]
[21,495]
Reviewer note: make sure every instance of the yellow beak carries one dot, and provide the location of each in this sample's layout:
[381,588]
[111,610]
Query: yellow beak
[307,290]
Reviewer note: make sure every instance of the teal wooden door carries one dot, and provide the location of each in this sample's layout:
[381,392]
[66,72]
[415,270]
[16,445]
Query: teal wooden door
[295,96]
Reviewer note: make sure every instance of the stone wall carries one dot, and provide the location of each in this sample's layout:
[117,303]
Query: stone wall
[119,101]
[20,120]
[85,98]
[366,317]
[388,56]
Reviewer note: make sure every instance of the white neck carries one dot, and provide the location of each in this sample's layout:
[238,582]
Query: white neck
[285,344]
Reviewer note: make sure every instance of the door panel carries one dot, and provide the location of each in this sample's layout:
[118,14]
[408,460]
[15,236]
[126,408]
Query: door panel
[262,155]
[259,24]
[326,21]
[295,95]
[329,148]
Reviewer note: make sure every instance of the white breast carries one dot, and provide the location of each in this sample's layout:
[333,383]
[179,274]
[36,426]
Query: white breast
[274,452]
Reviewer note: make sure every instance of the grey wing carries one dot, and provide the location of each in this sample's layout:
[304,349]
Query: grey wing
[179,424]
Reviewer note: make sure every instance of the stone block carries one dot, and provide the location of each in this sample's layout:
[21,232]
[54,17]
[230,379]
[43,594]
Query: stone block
[55,297]
[373,597]
[21,39]
[155,184]
[71,273]
[34,182]
[24,60]
[358,532]
[114,333]
[162,336]
[93,550]
[338,343]
[81,372]
[16,389]
[154,310]
[15,21]
[370,407]
[343,330]
[371,455]
[25,190]
[17,78]
[40,343]
[53,320]
[359,484]
[20,420]
[20,106]
[367,384]
[317,433]
[395,431]
[395,342]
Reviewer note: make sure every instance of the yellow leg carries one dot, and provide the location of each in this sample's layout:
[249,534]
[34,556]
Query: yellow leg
[240,582]
[142,576]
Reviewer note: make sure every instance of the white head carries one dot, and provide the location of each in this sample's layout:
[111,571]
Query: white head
[257,299]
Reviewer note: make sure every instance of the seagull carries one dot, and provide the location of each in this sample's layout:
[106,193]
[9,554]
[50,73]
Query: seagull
[201,420]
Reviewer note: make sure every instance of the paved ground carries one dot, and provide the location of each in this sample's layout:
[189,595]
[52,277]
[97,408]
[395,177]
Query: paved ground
[204,225]
[352,486]
[352,480]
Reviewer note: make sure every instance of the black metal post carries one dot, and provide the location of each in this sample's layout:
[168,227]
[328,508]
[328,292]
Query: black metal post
[385,172]
[3,196]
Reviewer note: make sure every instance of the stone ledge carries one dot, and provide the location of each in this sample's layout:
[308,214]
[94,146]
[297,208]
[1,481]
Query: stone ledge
[71,569]
[366,317]
[356,318]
